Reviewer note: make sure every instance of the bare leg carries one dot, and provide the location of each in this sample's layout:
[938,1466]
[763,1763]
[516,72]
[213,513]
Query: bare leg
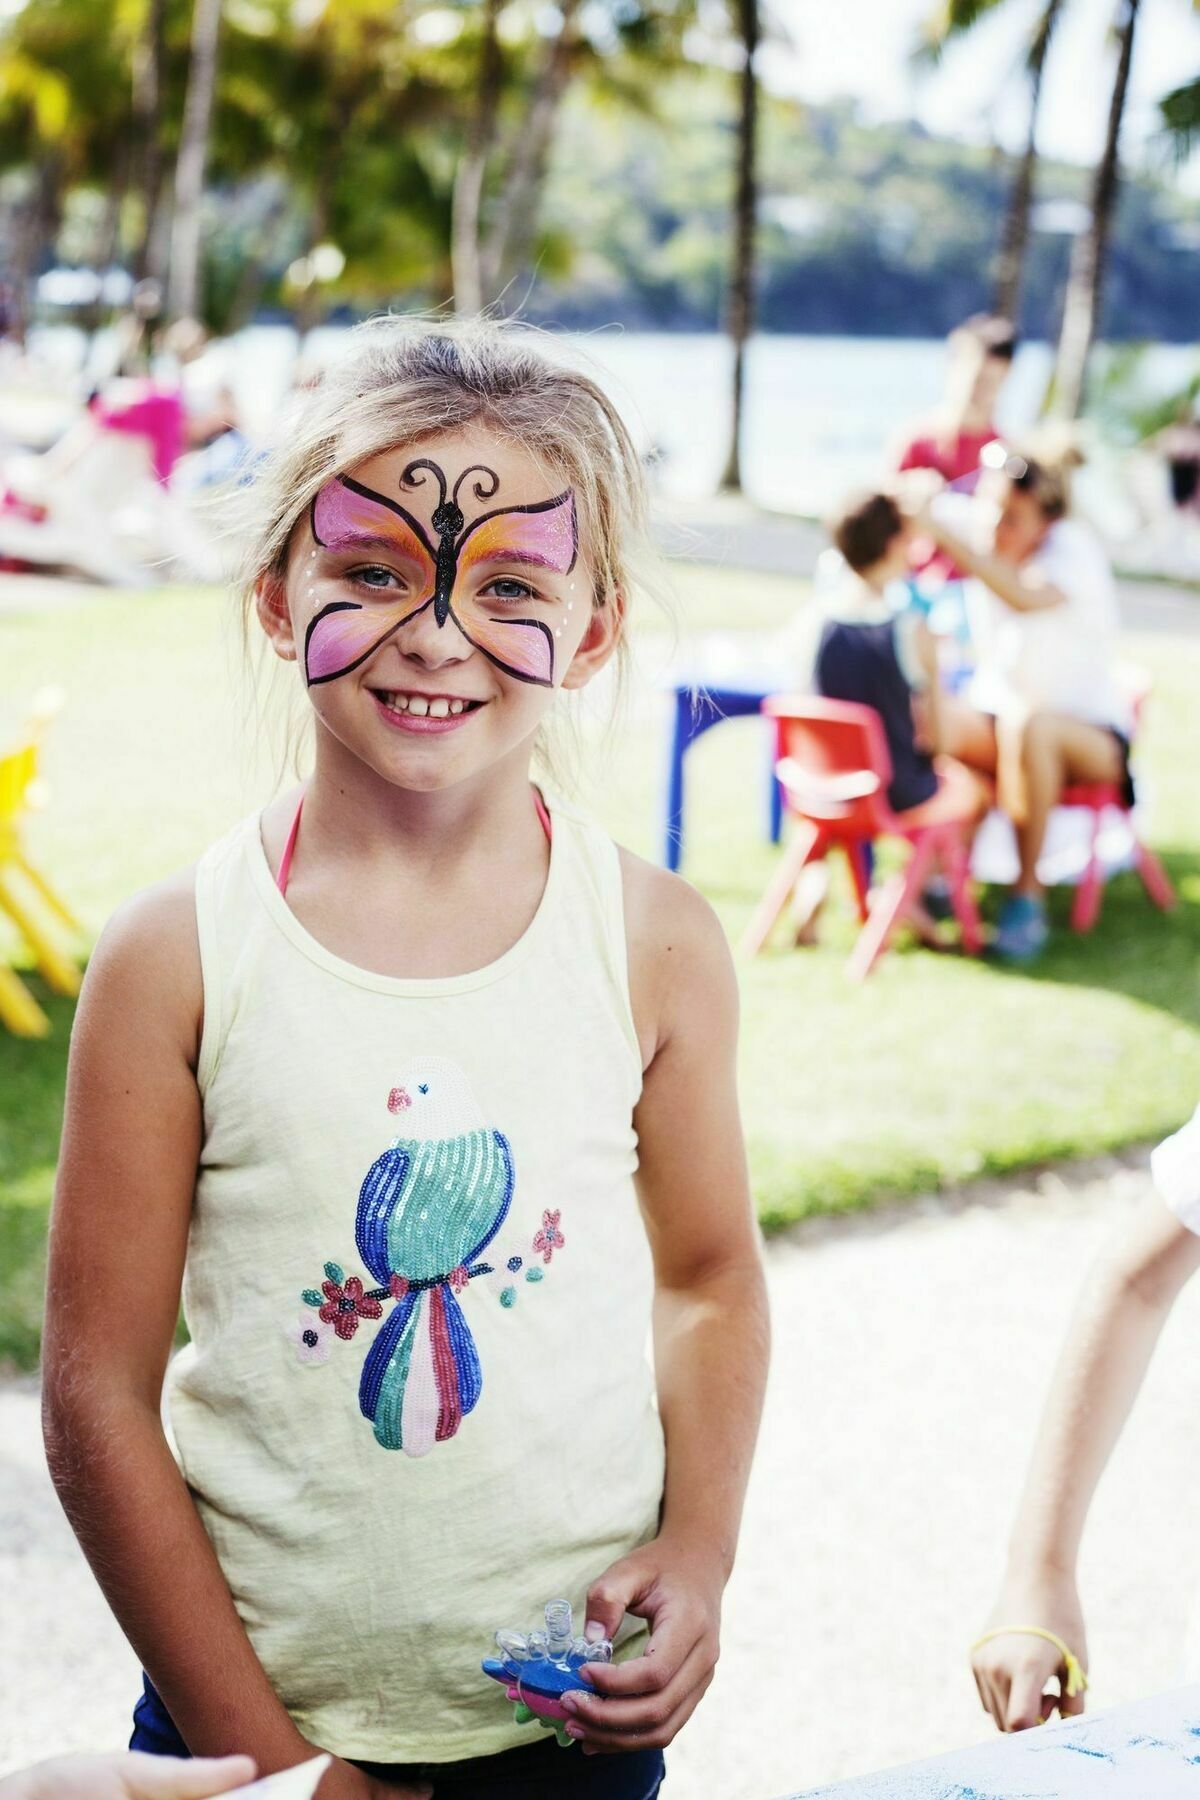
[964,733]
[1040,757]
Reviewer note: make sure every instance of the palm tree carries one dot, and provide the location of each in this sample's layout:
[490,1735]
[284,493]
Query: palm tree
[509,241]
[740,315]
[1085,277]
[149,60]
[1010,258]
[184,285]
[952,19]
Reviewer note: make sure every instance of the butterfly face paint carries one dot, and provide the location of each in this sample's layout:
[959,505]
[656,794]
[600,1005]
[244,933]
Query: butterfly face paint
[345,515]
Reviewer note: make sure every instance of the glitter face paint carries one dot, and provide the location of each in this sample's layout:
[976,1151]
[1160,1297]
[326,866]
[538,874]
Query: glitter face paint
[345,515]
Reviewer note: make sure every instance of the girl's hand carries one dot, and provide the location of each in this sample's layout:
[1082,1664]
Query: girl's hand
[344,1782]
[1011,1672]
[131,1776]
[646,1700]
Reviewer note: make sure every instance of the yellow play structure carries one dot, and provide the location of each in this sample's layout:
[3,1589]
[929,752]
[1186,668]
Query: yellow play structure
[25,894]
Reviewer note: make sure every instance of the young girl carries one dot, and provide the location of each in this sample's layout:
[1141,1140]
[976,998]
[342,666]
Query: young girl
[424,1091]
[1036,1632]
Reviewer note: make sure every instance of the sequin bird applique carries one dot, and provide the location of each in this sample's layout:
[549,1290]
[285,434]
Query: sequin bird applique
[429,1207]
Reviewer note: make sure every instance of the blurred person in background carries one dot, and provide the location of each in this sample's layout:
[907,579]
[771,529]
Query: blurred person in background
[1035,1635]
[980,355]
[1044,708]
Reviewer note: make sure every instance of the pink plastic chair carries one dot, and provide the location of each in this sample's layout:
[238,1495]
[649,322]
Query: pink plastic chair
[1097,797]
[834,768]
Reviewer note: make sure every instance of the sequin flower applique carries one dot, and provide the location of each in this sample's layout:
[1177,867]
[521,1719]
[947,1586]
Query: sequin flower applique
[549,1238]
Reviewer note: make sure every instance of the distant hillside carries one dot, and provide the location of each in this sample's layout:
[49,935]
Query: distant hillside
[868,229]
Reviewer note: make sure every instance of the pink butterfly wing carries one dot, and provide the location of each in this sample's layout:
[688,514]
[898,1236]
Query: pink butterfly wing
[545,536]
[345,633]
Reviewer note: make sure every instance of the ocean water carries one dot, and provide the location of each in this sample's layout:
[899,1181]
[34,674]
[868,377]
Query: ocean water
[821,412]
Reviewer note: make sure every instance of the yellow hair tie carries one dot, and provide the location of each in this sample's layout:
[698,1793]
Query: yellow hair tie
[1076,1678]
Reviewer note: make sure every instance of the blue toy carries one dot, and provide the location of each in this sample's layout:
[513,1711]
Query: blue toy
[537,1670]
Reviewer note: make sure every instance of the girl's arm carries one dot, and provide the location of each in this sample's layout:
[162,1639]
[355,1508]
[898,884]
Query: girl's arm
[1109,1344]
[119,1228]
[710,1315]
[1022,587]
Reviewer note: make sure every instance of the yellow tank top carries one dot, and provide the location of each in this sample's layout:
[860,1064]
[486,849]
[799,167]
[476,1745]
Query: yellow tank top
[417,1402]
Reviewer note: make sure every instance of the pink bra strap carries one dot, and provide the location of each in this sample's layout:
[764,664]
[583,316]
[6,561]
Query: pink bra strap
[289,849]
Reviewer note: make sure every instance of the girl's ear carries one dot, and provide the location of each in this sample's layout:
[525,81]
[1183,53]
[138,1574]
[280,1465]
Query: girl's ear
[270,602]
[605,629]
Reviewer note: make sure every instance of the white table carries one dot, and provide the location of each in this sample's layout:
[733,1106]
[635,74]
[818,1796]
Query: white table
[1147,1751]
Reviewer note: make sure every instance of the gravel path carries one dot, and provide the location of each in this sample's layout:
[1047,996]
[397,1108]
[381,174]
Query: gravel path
[911,1354]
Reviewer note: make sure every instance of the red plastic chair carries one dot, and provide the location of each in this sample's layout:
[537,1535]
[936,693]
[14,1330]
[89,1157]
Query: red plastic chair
[1097,797]
[834,767]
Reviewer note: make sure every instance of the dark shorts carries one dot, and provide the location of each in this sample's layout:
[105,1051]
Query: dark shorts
[1128,792]
[537,1771]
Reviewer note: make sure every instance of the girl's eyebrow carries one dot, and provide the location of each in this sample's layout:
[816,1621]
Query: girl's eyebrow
[528,558]
[366,540]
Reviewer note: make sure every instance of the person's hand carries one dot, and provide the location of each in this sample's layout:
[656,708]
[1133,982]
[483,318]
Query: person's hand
[1011,1672]
[914,491]
[677,1589]
[342,1781]
[129,1776]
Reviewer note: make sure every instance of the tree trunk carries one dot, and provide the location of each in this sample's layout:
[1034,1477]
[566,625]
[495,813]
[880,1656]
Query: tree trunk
[1085,278]
[307,311]
[184,289]
[149,64]
[1010,258]
[37,232]
[510,240]
[465,238]
[740,321]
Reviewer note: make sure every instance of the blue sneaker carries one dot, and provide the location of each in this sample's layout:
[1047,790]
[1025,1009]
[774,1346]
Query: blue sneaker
[1022,931]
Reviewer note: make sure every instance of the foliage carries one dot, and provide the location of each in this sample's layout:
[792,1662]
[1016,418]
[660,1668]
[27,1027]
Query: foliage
[867,228]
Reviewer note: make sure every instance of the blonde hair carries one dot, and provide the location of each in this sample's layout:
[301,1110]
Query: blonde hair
[407,379]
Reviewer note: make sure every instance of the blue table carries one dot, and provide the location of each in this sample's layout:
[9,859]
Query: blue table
[1149,1750]
[698,707]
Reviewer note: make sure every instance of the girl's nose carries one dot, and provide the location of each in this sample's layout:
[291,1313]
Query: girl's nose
[431,644]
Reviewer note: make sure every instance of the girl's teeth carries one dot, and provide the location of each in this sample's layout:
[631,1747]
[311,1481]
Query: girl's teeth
[418,706]
[456,706]
[438,709]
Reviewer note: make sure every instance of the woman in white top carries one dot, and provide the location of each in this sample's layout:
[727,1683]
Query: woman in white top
[1044,709]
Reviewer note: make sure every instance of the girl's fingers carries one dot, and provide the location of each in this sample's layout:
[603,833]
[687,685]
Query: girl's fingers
[653,1736]
[1070,1708]
[615,1723]
[177,1778]
[984,1692]
[1026,1695]
[672,1641]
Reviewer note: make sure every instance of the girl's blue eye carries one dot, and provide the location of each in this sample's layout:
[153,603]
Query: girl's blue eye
[374,575]
[507,587]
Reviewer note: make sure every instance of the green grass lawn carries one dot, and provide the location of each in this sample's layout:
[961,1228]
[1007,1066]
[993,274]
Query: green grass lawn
[934,1070]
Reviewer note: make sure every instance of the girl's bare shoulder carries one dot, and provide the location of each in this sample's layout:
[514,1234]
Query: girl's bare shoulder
[679,956]
[145,967]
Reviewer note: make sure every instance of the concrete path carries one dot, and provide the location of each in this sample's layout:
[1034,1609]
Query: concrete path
[912,1350]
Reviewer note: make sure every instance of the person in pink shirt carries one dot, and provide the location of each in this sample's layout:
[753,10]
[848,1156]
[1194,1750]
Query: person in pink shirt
[981,353]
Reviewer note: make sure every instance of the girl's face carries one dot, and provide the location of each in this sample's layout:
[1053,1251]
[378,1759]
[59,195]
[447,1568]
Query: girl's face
[1020,522]
[431,642]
